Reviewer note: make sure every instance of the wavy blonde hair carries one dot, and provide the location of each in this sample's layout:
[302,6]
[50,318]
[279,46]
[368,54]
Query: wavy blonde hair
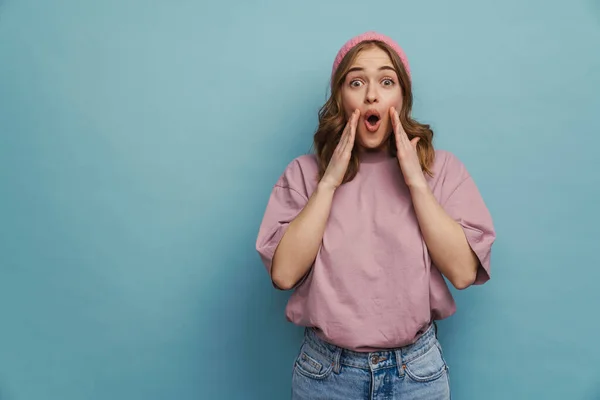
[332,119]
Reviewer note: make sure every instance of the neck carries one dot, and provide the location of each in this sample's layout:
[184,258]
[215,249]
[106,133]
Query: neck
[373,155]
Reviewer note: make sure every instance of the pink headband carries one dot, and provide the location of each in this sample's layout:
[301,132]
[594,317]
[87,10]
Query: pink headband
[365,37]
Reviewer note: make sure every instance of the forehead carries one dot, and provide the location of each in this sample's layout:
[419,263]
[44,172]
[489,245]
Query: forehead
[372,58]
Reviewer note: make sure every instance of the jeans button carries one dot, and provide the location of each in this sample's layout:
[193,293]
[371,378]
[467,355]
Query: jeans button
[374,359]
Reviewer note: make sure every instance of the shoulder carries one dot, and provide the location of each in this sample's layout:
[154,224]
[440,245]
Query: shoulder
[451,178]
[447,164]
[300,174]
[304,162]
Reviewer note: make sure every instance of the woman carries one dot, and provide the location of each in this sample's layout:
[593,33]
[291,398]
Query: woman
[364,232]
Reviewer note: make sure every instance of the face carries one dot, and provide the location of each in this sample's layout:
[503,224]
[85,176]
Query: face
[372,86]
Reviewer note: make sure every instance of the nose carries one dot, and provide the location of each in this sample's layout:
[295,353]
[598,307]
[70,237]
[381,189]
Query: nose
[371,95]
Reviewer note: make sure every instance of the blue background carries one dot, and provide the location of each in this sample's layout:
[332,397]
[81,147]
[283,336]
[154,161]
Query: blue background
[139,141]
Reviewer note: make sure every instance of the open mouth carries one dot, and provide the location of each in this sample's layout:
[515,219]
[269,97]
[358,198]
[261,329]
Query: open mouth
[372,120]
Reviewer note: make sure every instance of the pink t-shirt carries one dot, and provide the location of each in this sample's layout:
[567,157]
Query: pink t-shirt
[373,285]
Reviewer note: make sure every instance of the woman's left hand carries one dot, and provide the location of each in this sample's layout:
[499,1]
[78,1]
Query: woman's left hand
[408,157]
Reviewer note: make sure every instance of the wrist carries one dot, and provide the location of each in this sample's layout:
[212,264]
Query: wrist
[418,185]
[326,188]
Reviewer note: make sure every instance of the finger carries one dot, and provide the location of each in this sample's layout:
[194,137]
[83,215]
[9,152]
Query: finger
[396,125]
[352,135]
[393,118]
[343,137]
[402,137]
[351,131]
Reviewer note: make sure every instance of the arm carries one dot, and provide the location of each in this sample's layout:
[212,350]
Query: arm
[299,245]
[296,251]
[445,238]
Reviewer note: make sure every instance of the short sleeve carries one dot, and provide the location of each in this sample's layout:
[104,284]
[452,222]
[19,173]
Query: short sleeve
[285,203]
[464,203]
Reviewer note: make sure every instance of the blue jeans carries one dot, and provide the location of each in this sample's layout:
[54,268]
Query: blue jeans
[414,372]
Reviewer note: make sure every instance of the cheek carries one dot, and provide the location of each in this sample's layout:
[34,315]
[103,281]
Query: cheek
[399,101]
[349,103]
[393,97]
[395,101]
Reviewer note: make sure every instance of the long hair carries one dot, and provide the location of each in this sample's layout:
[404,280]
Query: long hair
[332,119]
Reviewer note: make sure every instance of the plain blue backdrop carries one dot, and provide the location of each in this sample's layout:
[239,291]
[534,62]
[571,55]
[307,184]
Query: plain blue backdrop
[139,141]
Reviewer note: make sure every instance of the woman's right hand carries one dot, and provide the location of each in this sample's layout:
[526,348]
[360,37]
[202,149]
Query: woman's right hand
[336,169]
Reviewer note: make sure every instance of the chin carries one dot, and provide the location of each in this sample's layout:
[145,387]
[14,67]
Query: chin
[372,142]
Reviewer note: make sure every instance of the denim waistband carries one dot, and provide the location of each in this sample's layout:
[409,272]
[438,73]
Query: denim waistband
[372,360]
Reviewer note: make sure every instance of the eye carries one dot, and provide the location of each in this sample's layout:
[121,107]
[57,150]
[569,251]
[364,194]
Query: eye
[355,83]
[387,82]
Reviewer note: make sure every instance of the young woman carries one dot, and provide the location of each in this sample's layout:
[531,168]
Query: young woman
[364,232]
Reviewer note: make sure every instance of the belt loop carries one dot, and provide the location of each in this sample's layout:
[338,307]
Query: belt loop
[336,360]
[399,362]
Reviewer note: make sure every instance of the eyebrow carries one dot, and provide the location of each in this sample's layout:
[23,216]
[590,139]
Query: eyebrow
[385,67]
